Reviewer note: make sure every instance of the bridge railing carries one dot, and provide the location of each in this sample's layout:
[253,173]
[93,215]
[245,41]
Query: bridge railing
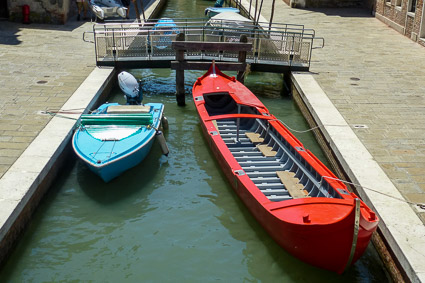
[283,44]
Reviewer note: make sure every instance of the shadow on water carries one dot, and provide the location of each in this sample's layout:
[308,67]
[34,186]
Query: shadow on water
[125,185]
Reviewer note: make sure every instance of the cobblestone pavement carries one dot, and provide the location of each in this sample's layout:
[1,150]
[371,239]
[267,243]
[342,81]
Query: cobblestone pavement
[375,77]
[40,68]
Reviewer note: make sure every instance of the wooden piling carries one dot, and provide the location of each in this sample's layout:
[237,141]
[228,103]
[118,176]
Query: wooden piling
[180,45]
[136,8]
[180,74]
[242,58]
[143,10]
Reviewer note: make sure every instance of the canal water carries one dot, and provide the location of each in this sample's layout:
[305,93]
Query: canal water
[170,219]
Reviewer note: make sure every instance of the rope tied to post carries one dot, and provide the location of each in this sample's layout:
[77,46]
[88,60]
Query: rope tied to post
[420,205]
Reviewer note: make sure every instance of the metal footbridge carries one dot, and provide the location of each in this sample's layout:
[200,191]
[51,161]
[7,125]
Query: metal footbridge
[276,48]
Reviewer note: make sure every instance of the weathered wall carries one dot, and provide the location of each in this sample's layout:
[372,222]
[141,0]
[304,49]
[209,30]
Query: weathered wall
[325,3]
[41,11]
[398,17]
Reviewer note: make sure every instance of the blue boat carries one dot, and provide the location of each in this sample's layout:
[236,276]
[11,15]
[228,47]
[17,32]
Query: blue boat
[166,24]
[115,138]
[163,33]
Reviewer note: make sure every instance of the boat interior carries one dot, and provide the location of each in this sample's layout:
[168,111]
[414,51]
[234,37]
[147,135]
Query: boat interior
[275,167]
[117,122]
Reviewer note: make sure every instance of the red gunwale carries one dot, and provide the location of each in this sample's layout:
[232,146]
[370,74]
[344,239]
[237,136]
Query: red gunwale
[326,240]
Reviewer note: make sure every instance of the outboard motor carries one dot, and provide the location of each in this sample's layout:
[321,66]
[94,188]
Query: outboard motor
[219,3]
[131,88]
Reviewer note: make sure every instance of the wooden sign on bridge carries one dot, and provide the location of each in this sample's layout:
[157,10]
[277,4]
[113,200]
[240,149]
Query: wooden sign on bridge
[180,65]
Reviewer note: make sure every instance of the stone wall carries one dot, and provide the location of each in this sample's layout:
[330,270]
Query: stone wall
[41,11]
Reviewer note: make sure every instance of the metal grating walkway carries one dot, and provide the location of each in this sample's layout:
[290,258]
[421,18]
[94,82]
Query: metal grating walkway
[282,48]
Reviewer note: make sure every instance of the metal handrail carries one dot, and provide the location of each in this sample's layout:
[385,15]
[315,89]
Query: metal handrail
[199,22]
[289,44]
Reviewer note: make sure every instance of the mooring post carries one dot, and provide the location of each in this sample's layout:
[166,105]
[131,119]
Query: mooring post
[136,8]
[180,74]
[242,58]
[143,10]
[287,82]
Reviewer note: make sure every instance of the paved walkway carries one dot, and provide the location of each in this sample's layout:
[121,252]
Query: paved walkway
[40,68]
[375,77]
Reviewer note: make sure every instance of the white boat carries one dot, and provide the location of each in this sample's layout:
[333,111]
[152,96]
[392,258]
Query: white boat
[230,20]
[212,11]
[108,8]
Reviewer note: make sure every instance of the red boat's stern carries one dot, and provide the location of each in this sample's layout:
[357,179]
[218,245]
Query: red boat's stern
[329,233]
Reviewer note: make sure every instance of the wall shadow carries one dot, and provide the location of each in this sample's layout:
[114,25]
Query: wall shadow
[9,33]
[342,12]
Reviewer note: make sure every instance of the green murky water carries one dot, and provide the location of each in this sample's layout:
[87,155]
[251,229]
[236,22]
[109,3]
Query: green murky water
[172,219]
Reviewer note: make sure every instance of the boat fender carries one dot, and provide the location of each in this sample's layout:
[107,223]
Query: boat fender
[162,142]
[122,12]
[164,122]
[233,79]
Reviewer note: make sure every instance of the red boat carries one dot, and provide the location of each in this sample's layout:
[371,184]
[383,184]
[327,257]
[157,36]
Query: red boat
[304,207]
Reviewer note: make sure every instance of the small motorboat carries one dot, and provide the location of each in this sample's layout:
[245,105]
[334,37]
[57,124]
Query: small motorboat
[114,137]
[107,8]
[163,33]
[303,206]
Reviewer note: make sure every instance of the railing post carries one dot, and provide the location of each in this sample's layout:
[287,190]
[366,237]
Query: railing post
[242,58]
[180,74]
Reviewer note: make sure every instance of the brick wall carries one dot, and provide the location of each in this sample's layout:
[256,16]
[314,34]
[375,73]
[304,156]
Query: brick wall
[419,13]
[397,17]
[409,26]
[387,11]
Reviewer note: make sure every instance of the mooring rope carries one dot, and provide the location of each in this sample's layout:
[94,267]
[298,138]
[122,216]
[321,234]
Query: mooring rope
[68,111]
[308,130]
[420,205]
[57,113]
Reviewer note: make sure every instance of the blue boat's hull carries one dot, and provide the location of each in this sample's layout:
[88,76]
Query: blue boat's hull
[114,169]
[109,158]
